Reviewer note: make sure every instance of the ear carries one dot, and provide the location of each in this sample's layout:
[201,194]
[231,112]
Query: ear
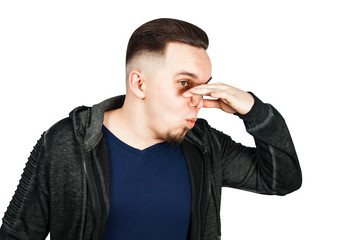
[137,84]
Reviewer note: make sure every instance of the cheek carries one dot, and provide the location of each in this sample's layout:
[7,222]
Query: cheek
[169,102]
[175,110]
[163,106]
[173,98]
[180,102]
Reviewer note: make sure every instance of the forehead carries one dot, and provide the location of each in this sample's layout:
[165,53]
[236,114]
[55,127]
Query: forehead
[185,58]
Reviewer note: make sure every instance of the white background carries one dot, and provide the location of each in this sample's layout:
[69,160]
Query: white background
[301,56]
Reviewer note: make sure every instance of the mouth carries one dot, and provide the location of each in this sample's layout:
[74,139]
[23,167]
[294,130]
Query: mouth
[191,122]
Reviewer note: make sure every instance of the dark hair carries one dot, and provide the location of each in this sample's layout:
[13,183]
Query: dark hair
[154,36]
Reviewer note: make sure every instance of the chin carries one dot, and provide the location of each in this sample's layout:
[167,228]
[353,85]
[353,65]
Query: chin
[176,138]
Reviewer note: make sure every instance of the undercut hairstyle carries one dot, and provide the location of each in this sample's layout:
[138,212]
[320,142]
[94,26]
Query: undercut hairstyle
[154,36]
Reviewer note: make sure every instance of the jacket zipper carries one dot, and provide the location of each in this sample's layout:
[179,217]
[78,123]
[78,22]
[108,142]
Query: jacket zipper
[93,194]
[211,191]
[218,227]
[207,188]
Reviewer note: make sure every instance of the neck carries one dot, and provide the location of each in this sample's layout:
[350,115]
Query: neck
[130,125]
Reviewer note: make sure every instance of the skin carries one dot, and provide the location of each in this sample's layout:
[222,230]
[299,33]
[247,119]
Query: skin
[165,93]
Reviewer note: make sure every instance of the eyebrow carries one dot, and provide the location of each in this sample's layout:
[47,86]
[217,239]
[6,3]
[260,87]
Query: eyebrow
[189,74]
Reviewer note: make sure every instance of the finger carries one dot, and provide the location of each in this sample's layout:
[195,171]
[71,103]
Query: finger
[223,95]
[208,103]
[212,85]
[209,87]
[205,89]
[196,101]
[200,91]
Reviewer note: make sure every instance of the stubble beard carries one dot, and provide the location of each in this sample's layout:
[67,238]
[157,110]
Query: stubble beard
[175,138]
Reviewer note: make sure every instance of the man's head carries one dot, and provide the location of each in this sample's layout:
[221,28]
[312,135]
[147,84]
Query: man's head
[165,58]
[153,37]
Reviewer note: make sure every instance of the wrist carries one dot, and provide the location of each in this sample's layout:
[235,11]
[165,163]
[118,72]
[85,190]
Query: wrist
[257,109]
[248,103]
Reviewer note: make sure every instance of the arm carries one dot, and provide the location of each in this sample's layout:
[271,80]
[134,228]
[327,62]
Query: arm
[270,168]
[27,216]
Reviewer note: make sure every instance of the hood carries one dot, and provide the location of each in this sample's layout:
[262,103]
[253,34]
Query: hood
[88,121]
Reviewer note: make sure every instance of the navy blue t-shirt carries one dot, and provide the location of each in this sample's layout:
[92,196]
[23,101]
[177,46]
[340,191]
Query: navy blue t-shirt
[150,193]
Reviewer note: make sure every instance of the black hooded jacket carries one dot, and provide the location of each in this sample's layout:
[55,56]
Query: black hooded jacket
[64,189]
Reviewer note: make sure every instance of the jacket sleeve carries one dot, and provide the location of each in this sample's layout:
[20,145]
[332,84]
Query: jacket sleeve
[270,168]
[27,216]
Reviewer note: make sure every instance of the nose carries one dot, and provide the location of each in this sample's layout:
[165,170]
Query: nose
[196,101]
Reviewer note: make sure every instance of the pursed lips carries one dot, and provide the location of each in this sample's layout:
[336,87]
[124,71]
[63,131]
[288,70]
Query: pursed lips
[191,122]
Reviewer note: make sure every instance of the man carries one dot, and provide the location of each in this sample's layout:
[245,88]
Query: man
[143,166]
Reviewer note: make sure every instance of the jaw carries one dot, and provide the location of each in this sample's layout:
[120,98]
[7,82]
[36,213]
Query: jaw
[176,137]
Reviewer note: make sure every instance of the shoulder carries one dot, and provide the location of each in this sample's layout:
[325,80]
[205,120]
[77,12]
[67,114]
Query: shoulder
[204,134]
[62,132]
[201,132]
[64,126]
[201,126]
[203,129]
